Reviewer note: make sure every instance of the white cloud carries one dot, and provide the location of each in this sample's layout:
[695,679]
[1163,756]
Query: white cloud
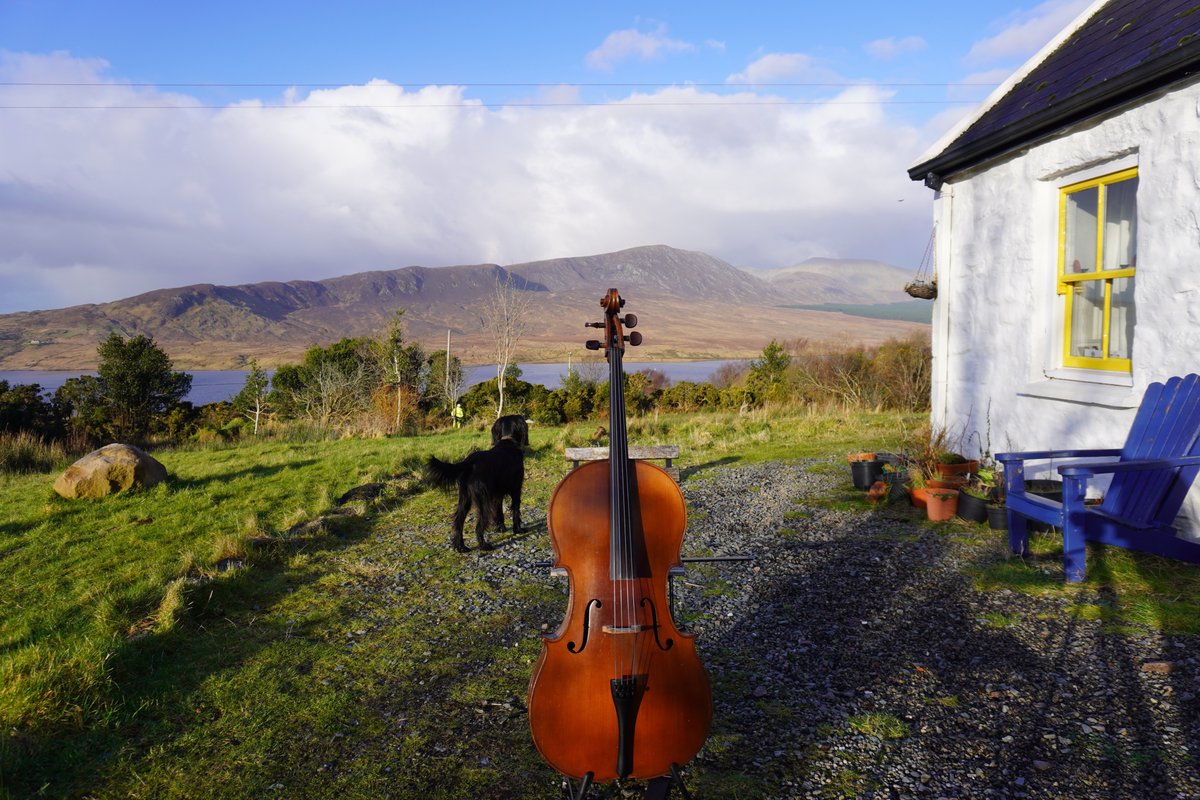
[630,43]
[892,47]
[1024,33]
[101,204]
[772,67]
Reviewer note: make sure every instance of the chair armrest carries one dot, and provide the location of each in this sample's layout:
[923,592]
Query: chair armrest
[1084,470]
[1032,455]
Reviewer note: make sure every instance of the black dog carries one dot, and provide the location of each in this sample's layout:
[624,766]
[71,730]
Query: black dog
[511,427]
[484,479]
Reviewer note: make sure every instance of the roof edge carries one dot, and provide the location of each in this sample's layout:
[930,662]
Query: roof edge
[1003,89]
[1100,99]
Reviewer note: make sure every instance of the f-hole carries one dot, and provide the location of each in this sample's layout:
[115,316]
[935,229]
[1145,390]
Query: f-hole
[587,626]
[646,601]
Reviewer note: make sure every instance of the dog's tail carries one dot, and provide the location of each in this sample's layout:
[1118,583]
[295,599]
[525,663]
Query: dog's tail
[444,475]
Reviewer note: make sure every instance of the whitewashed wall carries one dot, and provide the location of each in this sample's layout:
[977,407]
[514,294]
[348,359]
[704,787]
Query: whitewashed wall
[997,332]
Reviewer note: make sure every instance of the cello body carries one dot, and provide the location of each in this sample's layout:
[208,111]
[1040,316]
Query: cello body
[618,691]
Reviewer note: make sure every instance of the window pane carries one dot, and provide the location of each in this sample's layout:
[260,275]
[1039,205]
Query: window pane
[1080,255]
[1087,318]
[1124,316]
[1120,225]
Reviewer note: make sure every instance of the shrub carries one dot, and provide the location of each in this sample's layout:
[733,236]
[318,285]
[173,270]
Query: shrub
[25,452]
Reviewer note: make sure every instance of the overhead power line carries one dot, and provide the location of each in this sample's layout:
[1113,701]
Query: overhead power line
[488,105]
[683,84]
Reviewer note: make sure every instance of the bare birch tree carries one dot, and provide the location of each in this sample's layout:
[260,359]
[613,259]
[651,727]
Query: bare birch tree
[251,401]
[452,377]
[402,368]
[507,320]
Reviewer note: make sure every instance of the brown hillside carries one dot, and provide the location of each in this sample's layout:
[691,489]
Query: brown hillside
[691,306]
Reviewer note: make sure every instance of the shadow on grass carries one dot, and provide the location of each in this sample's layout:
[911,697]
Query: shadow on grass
[509,539]
[696,469]
[255,471]
[1113,613]
[151,676]
[12,528]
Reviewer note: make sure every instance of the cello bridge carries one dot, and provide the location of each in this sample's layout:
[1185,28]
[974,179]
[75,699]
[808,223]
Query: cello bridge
[619,629]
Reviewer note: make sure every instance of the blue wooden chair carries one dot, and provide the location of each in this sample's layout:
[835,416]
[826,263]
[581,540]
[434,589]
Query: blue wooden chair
[1151,475]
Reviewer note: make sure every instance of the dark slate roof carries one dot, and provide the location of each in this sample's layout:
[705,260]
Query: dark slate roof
[1126,50]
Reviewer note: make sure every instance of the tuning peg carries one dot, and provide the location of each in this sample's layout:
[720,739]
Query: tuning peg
[592,344]
[634,338]
[630,320]
[593,324]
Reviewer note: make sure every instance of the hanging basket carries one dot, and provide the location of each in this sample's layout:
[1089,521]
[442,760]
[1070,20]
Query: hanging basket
[923,286]
[923,290]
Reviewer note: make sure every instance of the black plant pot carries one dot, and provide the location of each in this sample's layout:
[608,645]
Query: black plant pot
[972,508]
[1048,488]
[1045,487]
[997,517]
[866,473]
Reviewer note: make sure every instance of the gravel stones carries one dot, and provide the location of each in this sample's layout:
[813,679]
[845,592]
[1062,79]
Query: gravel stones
[852,613]
[855,657]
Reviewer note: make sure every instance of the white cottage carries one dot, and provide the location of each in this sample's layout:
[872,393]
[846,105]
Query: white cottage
[1067,223]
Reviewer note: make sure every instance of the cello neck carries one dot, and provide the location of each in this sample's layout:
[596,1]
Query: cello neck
[624,536]
[618,439]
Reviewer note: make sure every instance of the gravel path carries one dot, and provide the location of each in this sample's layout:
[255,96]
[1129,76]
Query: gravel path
[846,615]
[854,658]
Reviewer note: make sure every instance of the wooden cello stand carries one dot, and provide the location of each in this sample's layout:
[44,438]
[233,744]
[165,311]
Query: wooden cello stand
[656,788]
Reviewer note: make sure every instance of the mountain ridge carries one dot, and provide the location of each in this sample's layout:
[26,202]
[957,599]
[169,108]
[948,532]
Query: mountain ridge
[686,295]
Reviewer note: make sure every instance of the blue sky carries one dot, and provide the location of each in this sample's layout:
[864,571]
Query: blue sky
[150,144]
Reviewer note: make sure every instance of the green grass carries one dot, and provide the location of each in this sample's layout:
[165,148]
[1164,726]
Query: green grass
[1124,590]
[227,634]
[128,643]
[191,639]
[881,726]
[996,620]
[847,784]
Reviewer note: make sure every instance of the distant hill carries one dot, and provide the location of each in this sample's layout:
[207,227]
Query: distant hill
[692,305]
[838,280]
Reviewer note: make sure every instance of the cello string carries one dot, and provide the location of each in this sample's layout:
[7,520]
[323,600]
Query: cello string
[617,455]
[614,503]
[623,492]
[621,472]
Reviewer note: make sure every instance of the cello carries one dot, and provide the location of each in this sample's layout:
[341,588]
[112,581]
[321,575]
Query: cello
[618,691]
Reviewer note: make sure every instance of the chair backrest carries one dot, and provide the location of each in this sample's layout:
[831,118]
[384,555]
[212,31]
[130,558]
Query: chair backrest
[1167,425]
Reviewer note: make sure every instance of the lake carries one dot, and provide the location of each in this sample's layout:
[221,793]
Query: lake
[212,386]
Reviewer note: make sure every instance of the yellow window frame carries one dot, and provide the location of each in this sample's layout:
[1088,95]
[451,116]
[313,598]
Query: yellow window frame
[1067,281]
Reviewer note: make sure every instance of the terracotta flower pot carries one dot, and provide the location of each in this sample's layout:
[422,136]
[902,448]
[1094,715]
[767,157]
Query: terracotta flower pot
[852,457]
[917,496]
[958,469]
[940,504]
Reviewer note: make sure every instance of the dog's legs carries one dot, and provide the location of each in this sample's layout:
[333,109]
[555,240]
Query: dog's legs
[482,515]
[460,519]
[516,509]
[498,513]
